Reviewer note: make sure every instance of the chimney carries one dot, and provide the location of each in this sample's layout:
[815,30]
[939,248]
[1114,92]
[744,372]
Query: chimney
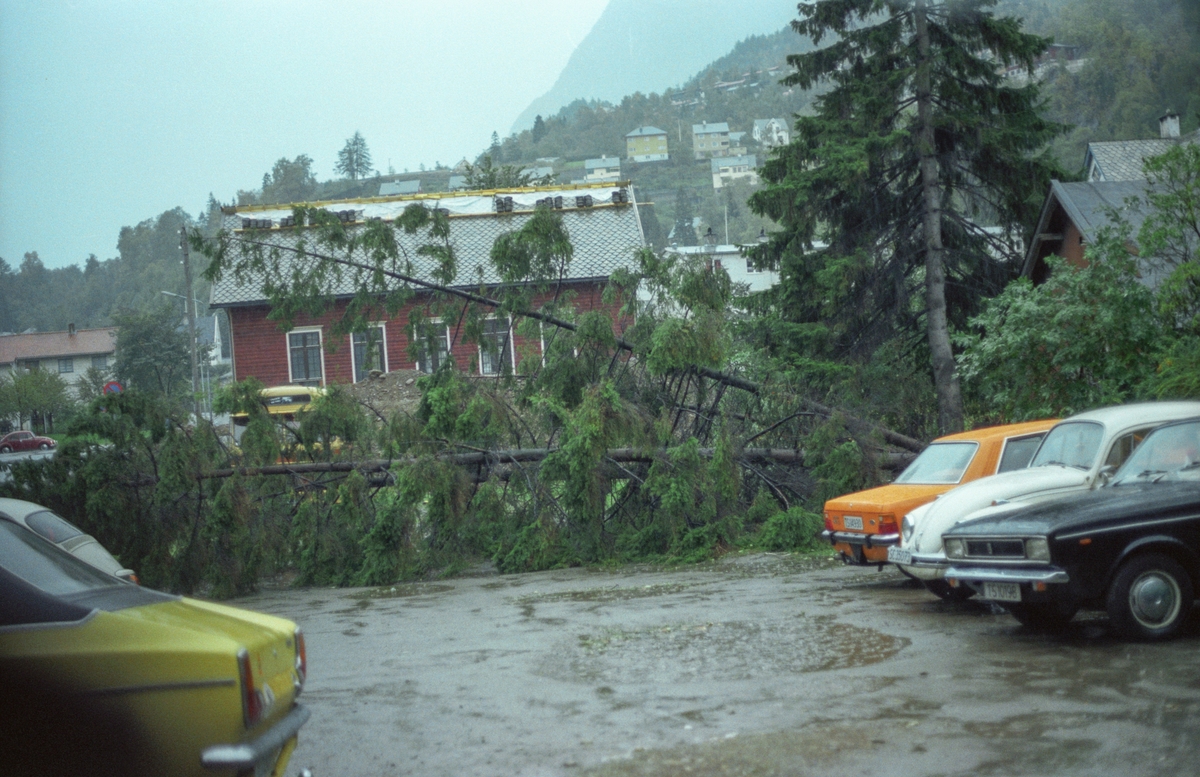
[70,330]
[1168,125]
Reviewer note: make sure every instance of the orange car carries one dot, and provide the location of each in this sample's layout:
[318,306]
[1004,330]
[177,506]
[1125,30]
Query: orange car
[862,525]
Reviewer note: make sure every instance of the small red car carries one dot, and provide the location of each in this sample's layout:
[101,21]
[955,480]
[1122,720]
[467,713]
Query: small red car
[24,441]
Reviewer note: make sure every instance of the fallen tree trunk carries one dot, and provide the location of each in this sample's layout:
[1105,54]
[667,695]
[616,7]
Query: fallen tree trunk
[520,455]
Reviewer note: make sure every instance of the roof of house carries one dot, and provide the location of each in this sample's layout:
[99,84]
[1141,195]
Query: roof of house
[458,182]
[1121,160]
[1088,205]
[750,160]
[734,137]
[605,161]
[50,345]
[762,123]
[604,236]
[706,128]
[640,131]
[400,187]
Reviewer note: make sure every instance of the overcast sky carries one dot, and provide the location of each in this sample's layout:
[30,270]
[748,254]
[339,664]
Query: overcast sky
[113,111]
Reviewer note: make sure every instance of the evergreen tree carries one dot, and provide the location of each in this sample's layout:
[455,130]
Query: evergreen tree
[494,149]
[354,160]
[918,144]
[539,129]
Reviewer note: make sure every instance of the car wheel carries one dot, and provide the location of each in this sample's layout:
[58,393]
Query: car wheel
[1150,597]
[1042,616]
[45,446]
[5,449]
[943,590]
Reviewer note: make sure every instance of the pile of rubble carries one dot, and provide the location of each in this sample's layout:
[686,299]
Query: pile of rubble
[388,392]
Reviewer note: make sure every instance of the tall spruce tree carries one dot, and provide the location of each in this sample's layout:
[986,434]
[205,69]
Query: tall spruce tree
[920,143]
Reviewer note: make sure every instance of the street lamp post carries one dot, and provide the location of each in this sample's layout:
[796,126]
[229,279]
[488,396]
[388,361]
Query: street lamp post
[190,304]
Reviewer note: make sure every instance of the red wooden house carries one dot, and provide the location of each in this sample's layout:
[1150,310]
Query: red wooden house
[605,231]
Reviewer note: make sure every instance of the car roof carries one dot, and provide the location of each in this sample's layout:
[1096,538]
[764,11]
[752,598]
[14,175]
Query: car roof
[1005,430]
[283,391]
[1120,416]
[19,508]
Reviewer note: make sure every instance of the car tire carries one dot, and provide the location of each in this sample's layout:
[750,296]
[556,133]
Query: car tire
[5,449]
[44,446]
[943,590]
[1042,616]
[1150,598]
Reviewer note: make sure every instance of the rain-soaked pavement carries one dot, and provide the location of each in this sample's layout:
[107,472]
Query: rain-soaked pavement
[763,664]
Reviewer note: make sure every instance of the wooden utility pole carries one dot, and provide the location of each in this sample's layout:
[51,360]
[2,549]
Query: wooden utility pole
[190,303]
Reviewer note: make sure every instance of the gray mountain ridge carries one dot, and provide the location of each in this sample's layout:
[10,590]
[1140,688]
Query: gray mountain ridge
[651,45]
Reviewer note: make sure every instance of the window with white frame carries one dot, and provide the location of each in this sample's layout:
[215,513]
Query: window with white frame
[100,361]
[305,360]
[434,337]
[369,352]
[495,349]
[66,365]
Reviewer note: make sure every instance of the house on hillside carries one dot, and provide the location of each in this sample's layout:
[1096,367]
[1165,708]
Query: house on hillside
[1073,213]
[710,140]
[606,168]
[646,144]
[457,183]
[737,144]
[605,230]
[771,133]
[391,188]
[68,353]
[727,170]
[731,259]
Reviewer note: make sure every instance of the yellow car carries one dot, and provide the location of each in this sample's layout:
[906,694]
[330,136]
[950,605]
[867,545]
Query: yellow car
[862,525]
[99,676]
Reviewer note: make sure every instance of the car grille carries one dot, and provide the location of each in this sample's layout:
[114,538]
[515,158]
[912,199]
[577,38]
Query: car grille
[996,548]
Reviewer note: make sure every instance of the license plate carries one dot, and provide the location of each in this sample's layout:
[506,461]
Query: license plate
[853,522]
[1002,592]
[899,555]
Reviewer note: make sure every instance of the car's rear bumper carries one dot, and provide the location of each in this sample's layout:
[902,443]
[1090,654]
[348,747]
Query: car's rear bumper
[248,754]
[856,538]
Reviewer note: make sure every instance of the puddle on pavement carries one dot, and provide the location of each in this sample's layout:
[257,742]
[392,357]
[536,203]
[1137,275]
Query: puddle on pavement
[403,590]
[725,651]
[603,595]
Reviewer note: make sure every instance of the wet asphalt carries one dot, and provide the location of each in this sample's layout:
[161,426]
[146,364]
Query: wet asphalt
[762,664]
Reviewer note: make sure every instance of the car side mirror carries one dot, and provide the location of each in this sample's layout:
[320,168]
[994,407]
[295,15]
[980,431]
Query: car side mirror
[1105,474]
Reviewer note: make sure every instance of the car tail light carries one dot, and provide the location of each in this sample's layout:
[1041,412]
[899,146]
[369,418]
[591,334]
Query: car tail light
[252,706]
[887,525]
[828,522]
[301,661]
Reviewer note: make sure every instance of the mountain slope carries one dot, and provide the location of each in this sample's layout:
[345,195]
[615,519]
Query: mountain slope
[640,46]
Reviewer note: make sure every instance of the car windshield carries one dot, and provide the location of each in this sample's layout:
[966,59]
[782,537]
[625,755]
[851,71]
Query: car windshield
[942,463]
[1073,444]
[1169,453]
[41,564]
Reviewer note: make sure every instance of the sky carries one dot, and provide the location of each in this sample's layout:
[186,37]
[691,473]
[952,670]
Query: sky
[113,111]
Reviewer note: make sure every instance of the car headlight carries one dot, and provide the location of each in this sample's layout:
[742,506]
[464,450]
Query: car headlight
[954,548]
[1037,548]
[906,528]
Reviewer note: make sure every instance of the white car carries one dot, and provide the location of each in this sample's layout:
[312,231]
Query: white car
[56,529]
[1079,454]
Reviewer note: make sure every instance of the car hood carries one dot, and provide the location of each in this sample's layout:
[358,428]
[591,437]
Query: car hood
[896,499]
[1019,485]
[1086,512]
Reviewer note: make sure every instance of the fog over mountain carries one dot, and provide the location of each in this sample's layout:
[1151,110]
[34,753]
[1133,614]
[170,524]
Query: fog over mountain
[651,45]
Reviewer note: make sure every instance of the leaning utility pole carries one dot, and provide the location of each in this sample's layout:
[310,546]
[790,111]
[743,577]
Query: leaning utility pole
[191,318]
